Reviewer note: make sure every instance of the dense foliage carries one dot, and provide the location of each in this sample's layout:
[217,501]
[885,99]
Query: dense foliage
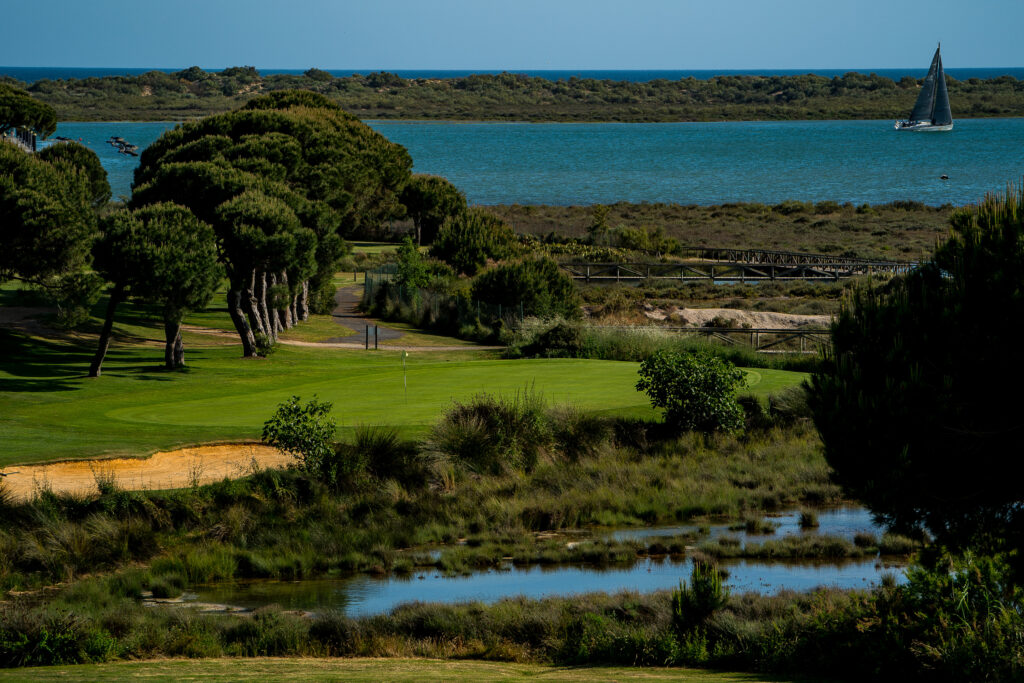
[430,201]
[911,401]
[163,255]
[47,216]
[507,96]
[468,240]
[536,285]
[18,109]
[280,181]
[697,390]
[897,231]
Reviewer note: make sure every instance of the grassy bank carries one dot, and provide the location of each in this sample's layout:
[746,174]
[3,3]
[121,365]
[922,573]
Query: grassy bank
[369,670]
[900,231]
[157,96]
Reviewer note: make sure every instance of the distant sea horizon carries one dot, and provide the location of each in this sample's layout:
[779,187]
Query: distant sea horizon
[31,74]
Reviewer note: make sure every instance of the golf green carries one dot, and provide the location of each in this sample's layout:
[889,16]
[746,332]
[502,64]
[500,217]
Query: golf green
[53,412]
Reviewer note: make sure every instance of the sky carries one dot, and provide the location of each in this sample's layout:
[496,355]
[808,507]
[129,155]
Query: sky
[510,34]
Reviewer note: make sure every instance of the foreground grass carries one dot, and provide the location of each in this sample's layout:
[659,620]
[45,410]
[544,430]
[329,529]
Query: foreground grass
[363,669]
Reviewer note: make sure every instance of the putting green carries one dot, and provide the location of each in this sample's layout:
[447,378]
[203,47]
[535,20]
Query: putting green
[52,412]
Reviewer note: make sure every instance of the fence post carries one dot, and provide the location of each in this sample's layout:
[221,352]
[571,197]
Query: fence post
[367,337]
[375,333]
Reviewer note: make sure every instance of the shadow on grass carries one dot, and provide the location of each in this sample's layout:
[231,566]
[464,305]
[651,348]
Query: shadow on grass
[43,365]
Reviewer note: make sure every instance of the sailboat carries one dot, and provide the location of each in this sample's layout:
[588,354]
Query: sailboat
[931,111]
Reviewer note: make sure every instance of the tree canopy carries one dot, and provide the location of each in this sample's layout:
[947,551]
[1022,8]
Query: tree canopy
[18,109]
[430,201]
[160,254]
[468,240]
[915,401]
[281,182]
[47,221]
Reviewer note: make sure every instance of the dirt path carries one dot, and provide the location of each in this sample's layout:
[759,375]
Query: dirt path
[347,314]
[163,470]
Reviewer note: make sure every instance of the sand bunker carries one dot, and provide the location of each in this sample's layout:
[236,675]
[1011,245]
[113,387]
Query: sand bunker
[163,470]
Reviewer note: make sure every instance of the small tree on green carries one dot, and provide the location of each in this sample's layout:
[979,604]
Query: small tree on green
[306,432]
[430,201]
[697,390]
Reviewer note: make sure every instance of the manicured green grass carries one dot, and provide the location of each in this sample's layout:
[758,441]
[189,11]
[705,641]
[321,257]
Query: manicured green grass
[281,669]
[373,247]
[52,411]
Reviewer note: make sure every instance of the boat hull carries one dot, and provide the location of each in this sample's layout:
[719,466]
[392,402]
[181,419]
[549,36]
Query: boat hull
[923,127]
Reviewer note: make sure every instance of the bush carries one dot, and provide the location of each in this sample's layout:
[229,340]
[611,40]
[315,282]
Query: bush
[491,435]
[469,240]
[537,286]
[696,390]
[305,432]
[693,604]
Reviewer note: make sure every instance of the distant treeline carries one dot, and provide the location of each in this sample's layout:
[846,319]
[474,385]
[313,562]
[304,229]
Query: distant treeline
[158,95]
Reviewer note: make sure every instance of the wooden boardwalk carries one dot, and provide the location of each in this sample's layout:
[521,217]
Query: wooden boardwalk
[737,265]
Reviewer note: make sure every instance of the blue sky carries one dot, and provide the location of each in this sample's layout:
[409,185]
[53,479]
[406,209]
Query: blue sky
[520,34]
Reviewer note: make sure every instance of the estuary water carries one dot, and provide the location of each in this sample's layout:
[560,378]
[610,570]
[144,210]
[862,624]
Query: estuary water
[361,595]
[687,163]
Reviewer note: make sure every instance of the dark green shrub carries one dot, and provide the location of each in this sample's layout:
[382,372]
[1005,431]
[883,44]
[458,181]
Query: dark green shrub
[789,405]
[533,287]
[493,435]
[562,340]
[694,603]
[579,434]
[386,456]
[696,390]
[470,239]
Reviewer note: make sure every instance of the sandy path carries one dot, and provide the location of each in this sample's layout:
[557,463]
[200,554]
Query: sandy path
[759,319]
[163,470]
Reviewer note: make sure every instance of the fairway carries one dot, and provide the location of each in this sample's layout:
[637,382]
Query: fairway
[53,412]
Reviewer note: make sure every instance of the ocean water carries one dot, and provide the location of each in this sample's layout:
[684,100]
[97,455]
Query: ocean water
[31,74]
[689,163]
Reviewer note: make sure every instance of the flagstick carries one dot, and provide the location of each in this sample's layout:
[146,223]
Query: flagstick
[405,377]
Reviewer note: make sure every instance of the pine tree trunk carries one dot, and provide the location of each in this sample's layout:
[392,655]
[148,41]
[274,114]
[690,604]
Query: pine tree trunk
[238,318]
[287,320]
[275,314]
[174,350]
[304,301]
[252,307]
[116,296]
[262,294]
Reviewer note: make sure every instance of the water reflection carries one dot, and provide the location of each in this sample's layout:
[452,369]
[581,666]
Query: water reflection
[365,595]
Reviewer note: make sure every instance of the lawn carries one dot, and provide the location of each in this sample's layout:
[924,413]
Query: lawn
[280,669]
[52,411]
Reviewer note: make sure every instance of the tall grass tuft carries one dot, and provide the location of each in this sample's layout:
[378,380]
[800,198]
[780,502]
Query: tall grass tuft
[493,435]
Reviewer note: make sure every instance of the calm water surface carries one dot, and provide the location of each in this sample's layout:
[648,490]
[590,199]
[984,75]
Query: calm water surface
[689,163]
[362,595]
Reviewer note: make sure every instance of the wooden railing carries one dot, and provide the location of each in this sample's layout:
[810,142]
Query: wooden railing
[760,339]
[729,271]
